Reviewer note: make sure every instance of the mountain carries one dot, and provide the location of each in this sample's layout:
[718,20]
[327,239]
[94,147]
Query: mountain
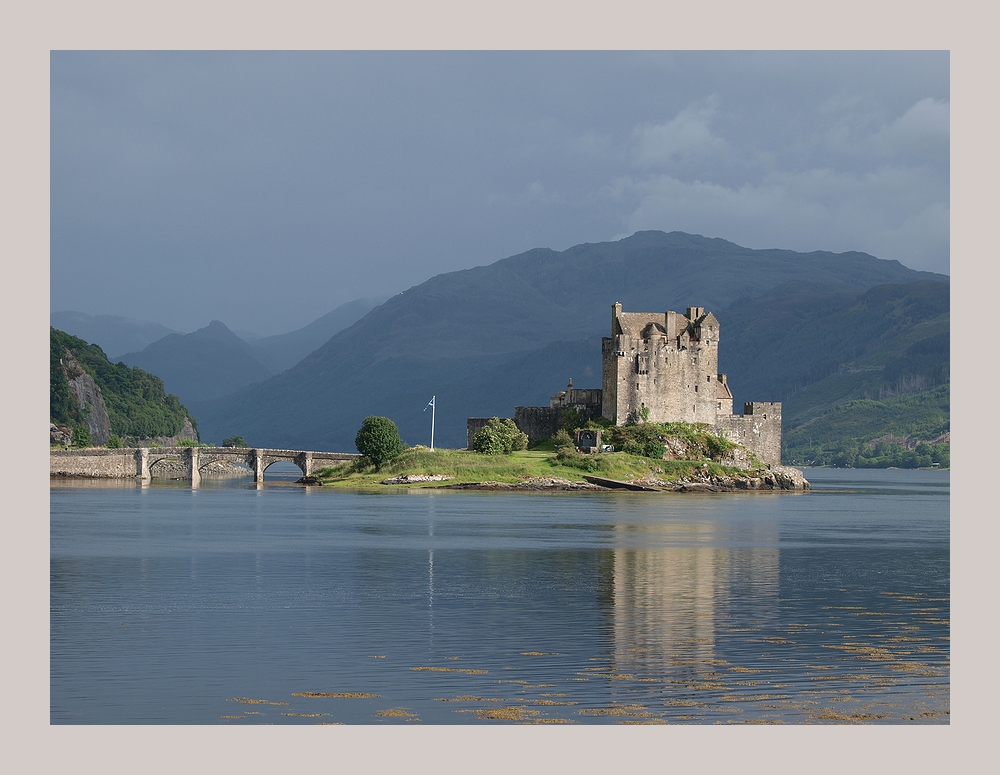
[282,351]
[486,338]
[112,333]
[86,389]
[204,364]
[851,366]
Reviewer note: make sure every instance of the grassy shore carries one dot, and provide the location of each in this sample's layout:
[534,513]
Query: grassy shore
[464,466]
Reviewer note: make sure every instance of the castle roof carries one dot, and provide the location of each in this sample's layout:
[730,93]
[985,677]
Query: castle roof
[634,323]
[722,390]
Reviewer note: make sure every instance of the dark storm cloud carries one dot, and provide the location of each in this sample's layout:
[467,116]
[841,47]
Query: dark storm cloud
[264,189]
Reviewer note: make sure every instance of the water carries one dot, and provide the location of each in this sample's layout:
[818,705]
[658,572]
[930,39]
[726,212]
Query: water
[230,604]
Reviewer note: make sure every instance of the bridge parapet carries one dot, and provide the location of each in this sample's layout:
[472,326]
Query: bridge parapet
[138,462]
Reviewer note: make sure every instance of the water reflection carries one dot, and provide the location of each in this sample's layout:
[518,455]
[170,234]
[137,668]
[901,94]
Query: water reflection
[170,605]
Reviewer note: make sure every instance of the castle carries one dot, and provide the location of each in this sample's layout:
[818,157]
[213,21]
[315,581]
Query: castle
[660,367]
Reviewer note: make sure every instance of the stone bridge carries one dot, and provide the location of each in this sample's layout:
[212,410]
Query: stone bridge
[137,463]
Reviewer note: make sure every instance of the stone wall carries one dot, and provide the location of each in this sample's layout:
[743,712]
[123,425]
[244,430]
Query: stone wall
[472,426]
[758,429]
[665,362]
[537,422]
[93,463]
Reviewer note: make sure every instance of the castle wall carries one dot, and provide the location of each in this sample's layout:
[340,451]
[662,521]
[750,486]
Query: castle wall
[667,363]
[758,429]
[472,426]
[538,422]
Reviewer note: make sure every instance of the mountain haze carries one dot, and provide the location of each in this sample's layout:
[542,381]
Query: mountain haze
[204,364]
[112,333]
[486,338]
[282,351]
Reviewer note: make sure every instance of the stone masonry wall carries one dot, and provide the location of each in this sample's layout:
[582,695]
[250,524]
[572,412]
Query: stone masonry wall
[93,463]
[758,429]
[537,422]
[472,426]
[673,376]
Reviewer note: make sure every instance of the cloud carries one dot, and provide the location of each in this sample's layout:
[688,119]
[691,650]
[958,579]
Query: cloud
[687,135]
[924,130]
[891,212]
[921,134]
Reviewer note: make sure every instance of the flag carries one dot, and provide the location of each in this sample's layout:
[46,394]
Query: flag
[430,403]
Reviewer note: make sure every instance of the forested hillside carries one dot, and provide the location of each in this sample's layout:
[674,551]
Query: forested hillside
[137,406]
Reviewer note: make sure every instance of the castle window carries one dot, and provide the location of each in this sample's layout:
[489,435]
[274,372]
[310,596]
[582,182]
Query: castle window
[708,379]
[695,388]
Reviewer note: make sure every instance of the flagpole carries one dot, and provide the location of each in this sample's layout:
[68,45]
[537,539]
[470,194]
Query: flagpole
[433,409]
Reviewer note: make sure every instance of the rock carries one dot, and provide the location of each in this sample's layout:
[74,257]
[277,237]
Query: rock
[60,434]
[788,478]
[187,433]
[88,399]
[312,480]
[414,478]
[675,448]
[737,457]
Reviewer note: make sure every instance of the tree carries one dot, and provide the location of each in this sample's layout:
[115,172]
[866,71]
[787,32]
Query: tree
[378,440]
[81,435]
[114,442]
[234,441]
[499,437]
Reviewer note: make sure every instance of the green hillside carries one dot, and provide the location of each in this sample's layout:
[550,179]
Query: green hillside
[907,431]
[137,406]
[488,338]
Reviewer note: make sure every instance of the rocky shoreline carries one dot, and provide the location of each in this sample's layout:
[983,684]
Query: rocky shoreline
[777,478]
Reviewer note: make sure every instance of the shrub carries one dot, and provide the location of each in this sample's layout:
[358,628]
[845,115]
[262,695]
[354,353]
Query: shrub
[642,440]
[114,442]
[234,441]
[572,418]
[562,439]
[378,440]
[499,437]
[81,435]
[488,441]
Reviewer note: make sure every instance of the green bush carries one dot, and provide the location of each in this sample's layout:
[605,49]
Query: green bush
[572,419]
[81,435]
[562,439]
[378,440]
[114,442]
[499,437]
[642,440]
[234,441]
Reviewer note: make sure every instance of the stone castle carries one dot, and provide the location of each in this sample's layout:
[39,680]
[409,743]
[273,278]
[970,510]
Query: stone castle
[660,367]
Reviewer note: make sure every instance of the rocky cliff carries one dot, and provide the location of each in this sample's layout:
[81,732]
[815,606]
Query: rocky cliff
[88,399]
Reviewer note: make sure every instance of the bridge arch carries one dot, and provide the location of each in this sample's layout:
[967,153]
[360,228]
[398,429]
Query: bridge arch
[258,460]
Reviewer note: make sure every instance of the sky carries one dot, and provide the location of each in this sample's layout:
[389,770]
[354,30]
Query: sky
[264,189]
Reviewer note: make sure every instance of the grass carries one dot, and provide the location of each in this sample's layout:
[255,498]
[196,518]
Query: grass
[464,466]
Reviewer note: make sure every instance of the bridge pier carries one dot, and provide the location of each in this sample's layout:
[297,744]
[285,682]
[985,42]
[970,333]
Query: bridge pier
[258,465]
[304,461]
[194,475]
[142,464]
